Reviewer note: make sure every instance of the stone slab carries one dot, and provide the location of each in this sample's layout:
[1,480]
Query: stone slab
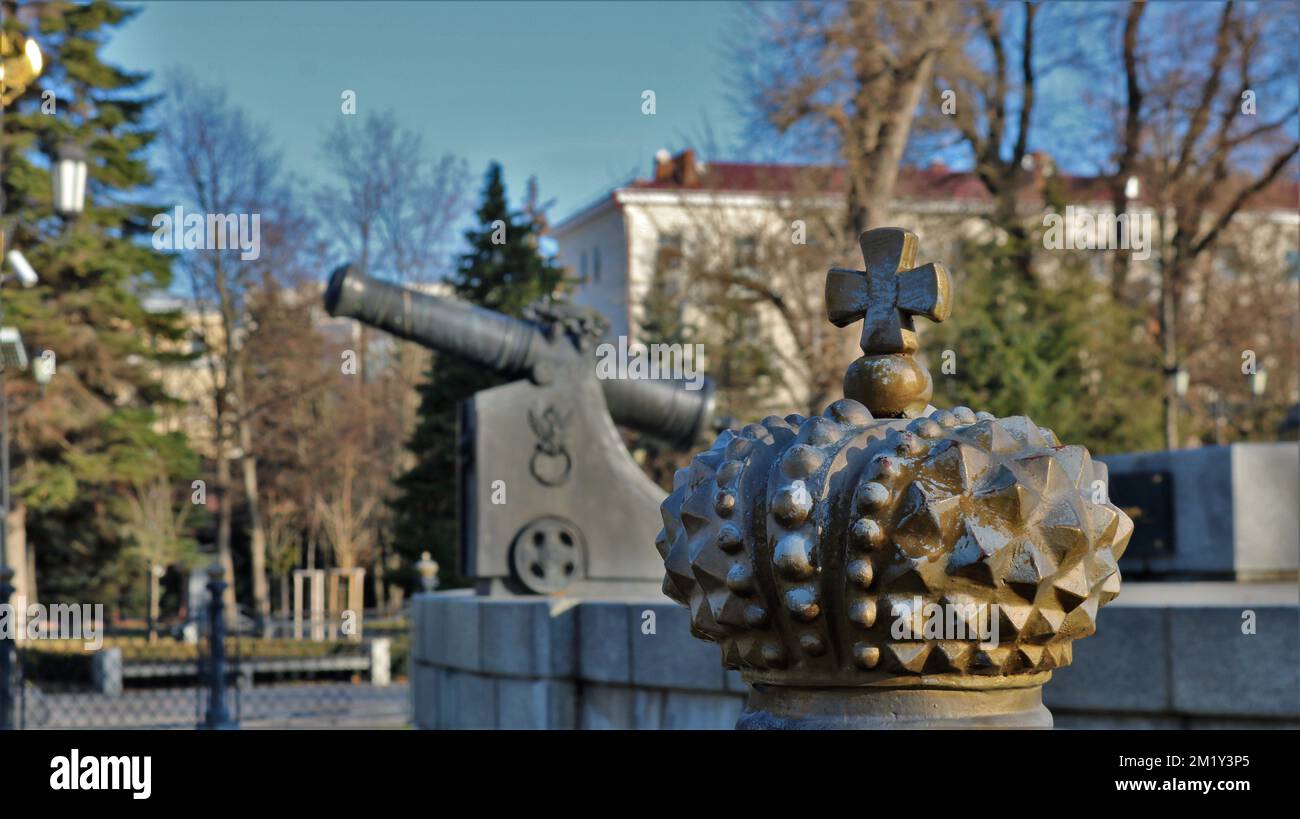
[670,657]
[430,639]
[1229,724]
[528,637]
[606,708]
[1219,670]
[1266,508]
[1124,667]
[1234,510]
[605,630]
[536,705]
[424,696]
[471,702]
[1076,721]
[698,711]
[648,706]
[734,682]
[461,627]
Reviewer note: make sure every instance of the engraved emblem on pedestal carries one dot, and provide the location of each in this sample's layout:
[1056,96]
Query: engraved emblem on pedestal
[551,462]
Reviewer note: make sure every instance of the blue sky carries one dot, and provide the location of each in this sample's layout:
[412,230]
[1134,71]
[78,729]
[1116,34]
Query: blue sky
[547,88]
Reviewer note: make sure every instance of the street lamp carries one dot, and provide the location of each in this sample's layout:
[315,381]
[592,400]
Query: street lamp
[43,369]
[22,268]
[1132,188]
[69,177]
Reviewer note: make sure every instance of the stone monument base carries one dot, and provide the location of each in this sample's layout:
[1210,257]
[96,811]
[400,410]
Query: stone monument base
[785,708]
[631,663]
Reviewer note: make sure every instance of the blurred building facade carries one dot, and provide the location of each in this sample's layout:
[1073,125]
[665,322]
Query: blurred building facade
[645,240]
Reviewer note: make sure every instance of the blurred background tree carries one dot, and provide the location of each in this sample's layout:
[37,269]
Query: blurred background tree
[81,444]
[311,464]
[1061,352]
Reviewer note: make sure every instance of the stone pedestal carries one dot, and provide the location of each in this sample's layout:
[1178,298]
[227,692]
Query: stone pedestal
[785,708]
[1232,511]
[513,663]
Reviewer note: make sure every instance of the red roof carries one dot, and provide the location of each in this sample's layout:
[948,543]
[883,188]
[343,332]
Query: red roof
[936,182]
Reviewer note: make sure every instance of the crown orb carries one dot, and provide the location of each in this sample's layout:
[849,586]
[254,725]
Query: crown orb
[891,386]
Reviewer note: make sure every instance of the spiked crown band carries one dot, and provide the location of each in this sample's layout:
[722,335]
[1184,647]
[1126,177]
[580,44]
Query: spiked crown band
[818,551]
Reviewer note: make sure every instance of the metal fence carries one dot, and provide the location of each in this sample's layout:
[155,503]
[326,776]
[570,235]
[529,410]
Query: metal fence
[232,678]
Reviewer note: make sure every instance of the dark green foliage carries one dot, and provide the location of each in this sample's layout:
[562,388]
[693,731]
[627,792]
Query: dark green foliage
[1064,354]
[92,432]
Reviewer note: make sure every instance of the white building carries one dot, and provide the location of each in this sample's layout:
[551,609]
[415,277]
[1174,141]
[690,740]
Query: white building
[615,247]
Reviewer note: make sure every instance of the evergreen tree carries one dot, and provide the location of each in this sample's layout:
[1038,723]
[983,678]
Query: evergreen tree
[503,270]
[79,444]
[1060,351]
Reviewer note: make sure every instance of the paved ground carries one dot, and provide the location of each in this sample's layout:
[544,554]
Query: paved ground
[302,705]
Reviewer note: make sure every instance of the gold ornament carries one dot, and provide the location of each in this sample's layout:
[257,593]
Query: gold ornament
[816,551]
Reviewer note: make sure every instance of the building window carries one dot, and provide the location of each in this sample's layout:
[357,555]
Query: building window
[595,264]
[664,314]
[582,266]
[668,257]
[746,253]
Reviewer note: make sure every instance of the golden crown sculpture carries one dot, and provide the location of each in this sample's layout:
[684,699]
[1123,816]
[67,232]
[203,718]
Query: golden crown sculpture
[812,549]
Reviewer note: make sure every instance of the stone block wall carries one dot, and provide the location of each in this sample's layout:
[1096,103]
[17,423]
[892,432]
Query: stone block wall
[1165,655]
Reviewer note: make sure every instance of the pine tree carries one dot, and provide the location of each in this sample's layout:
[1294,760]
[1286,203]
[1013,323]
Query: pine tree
[503,270]
[78,446]
[1061,352]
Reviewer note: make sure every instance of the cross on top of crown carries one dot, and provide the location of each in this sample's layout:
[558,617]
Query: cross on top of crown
[889,292]
[885,296]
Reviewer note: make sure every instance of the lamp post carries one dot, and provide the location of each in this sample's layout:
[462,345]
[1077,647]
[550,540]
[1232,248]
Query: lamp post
[21,62]
[1258,383]
[217,716]
[12,354]
[1182,380]
[69,177]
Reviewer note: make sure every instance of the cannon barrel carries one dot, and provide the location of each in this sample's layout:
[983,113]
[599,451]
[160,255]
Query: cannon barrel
[512,347]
